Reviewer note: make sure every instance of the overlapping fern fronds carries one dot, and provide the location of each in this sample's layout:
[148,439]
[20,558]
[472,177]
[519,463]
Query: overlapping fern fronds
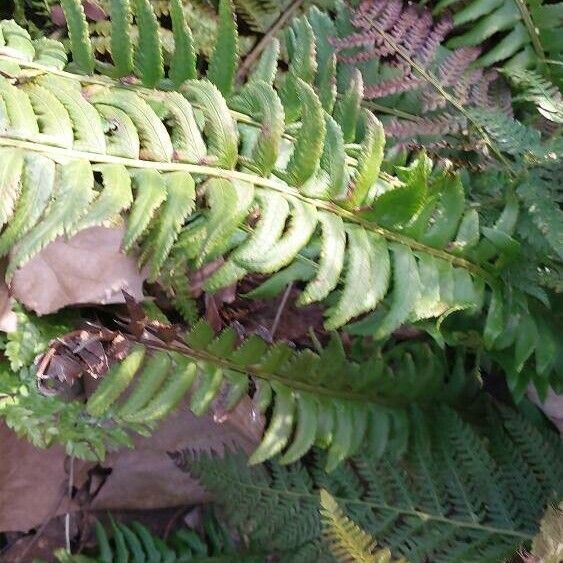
[322,399]
[393,44]
[525,34]
[453,497]
[307,167]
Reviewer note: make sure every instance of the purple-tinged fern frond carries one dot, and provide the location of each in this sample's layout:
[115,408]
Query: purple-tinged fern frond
[428,49]
[397,85]
[454,66]
[442,124]
[403,41]
[418,33]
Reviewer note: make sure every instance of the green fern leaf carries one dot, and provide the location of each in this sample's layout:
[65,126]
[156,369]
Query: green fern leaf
[348,108]
[224,60]
[155,372]
[11,167]
[309,144]
[37,185]
[331,262]
[121,45]
[150,188]
[303,220]
[183,61]
[114,383]
[260,101]
[303,66]
[367,277]
[52,118]
[222,132]
[70,204]
[149,63]
[229,203]
[279,430]
[115,197]
[267,66]
[406,291]
[81,47]
[180,201]
[369,161]
[86,126]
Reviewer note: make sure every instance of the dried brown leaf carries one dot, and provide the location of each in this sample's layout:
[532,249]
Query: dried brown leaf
[33,482]
[87,268]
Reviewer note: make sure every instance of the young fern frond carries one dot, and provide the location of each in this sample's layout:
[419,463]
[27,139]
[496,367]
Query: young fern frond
[347,541]
[547,546]
[398,243]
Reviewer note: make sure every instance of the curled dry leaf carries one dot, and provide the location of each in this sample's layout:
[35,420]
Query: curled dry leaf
[87,268]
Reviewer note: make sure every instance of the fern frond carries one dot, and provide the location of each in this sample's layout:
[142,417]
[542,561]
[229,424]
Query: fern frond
[545,95]
[398,49]
[444,501]
[348,542]
[524,34]
[548,544]
[302,388]
[135,542]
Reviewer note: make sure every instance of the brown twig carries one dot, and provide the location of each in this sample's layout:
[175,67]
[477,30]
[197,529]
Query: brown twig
[279,312]
[256,51]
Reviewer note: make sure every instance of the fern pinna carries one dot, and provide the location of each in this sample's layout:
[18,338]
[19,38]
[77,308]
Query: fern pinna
[348,542]
[189,164]
[462,493]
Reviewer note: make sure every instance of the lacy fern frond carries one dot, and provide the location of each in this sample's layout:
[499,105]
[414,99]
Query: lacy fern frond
[393,45]
[347,541]
[547,546]
[445,501]
[535,88]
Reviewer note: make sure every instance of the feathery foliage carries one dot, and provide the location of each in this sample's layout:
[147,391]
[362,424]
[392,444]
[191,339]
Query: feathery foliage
[398,49]
[321,399]
[449,499]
